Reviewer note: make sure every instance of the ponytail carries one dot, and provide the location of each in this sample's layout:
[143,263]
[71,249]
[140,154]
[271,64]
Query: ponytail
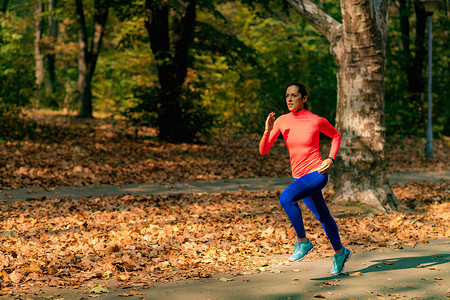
[303,91]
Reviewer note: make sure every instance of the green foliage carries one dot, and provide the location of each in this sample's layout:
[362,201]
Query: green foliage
[118,75]
[287,50]
[243,56]
[144,106]
[16,77]
[400,112]
[196,119]
[16,61]
[211,41]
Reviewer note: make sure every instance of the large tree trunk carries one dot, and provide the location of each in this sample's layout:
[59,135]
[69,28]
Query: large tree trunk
[38,55]
[358,46]
[360,106]
[87,59]
[171,55]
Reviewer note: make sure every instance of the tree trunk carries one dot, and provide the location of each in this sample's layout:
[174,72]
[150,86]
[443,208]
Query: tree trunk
[358,46]
[171,55]
[3,5]
[413,66]
[50,59]
[38,56]
[360,109]
[84,82]
[87,59]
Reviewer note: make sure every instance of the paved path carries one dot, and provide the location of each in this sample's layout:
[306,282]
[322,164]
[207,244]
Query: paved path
[411,273]
[190,187]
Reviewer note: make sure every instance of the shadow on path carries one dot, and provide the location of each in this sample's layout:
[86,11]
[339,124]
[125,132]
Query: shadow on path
[401,263]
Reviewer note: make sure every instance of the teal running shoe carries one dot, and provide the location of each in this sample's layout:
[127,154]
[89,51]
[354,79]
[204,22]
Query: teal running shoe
[340,260]
[300,250]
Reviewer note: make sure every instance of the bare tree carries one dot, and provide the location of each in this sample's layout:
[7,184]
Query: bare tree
[358,46]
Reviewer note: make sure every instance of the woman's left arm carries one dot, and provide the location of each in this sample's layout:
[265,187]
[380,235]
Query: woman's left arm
[329,130]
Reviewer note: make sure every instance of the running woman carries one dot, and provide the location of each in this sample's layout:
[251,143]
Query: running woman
[300,129]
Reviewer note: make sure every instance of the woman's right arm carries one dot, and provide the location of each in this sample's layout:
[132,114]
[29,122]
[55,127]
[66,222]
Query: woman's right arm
[270,135]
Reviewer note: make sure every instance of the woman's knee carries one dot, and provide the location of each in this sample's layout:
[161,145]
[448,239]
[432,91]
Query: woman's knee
[286,198]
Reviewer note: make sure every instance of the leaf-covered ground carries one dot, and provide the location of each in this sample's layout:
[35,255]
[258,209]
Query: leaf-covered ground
[70,152]
[141,239]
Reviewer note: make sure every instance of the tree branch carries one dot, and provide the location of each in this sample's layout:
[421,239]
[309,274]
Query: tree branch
[82,33]
[184,27]
[100,17]
[321,21]
[157,24]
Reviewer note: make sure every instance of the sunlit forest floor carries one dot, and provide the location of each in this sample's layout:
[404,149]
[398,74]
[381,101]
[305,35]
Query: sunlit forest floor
[137,240]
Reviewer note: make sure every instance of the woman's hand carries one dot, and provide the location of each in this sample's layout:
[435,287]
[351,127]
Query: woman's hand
[325,166]
[269,123]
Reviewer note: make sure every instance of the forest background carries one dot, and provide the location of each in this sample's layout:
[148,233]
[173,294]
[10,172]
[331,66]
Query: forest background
[241,57]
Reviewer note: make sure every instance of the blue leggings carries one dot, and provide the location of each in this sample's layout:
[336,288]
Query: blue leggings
[309,188]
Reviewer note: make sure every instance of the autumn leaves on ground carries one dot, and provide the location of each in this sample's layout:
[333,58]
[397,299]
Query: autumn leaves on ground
[137,240]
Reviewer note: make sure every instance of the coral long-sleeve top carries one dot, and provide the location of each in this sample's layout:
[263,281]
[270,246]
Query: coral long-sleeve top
[301,134]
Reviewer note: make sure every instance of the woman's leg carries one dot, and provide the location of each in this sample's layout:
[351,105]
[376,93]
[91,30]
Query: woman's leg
[303,187]
[317,205]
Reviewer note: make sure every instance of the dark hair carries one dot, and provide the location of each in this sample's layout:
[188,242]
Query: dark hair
[302,90]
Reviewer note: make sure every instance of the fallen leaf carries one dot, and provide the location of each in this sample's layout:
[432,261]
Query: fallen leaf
[131,293]
[331,283]
[16,276]
[276,271]
[30,268]
[123,277]
[355,274]
[98,289]
[224,279]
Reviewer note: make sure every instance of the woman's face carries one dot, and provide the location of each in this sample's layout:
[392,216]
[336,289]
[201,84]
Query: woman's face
[294,99]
